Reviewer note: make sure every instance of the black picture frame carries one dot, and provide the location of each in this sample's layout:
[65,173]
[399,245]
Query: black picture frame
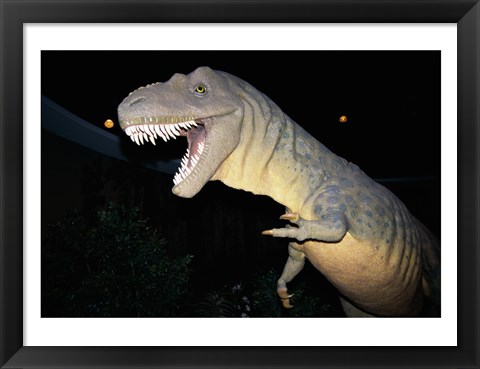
[465,13]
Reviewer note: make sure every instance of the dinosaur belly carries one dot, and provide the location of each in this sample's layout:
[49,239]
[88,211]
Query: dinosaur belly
[375,278]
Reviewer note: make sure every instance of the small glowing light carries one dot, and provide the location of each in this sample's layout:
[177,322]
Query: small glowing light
[109,123]
[343,119]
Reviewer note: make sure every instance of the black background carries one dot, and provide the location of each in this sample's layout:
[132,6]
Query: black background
[391,99]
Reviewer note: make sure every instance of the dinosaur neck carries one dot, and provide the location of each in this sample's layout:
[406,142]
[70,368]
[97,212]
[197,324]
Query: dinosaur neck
[276,157]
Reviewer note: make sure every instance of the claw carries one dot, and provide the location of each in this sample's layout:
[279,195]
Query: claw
[285,297]
[293,217]
[268,232]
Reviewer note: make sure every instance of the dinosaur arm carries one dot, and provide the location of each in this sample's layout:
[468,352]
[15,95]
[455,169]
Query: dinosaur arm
[331,228]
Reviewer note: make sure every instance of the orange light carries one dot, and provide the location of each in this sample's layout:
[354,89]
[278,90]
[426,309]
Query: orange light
[343,119]
[109,123]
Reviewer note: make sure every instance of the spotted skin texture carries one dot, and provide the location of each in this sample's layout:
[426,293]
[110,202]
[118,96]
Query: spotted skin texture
[381,236]
[358,234]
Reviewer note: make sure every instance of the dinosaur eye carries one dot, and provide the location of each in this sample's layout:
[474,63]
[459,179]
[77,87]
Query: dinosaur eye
[201,89]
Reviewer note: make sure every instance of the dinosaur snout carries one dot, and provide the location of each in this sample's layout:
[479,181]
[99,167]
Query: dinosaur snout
[137,104]
[137,100]
[143,94]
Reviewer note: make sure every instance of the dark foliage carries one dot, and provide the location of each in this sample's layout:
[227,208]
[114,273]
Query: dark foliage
[110,264]
[108,261]
[258,298]
[266,302]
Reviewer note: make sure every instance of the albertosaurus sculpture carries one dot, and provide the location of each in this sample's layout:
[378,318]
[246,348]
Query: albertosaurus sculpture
[357,233]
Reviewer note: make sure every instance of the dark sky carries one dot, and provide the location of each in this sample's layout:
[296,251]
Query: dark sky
[391,99]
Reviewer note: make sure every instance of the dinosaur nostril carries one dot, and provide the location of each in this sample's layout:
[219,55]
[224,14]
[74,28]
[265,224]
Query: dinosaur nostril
[137,100]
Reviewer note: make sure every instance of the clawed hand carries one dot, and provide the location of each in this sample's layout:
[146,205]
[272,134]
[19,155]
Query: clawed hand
[299,233]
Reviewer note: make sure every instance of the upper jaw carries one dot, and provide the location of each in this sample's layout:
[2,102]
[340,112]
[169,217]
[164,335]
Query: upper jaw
[150,129]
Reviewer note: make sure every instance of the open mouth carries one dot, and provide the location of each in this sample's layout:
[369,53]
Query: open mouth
[194,130]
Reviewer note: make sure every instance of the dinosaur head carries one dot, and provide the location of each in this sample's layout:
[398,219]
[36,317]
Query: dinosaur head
[200,106]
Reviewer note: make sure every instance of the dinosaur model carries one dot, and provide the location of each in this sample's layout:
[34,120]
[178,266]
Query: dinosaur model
[358,234]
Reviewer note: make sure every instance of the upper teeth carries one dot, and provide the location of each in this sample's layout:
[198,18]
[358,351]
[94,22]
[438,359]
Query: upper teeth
[149,132]
[140,132]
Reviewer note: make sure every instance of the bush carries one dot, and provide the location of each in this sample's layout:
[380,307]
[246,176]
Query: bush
[258,298]
[226,303]
[111,264]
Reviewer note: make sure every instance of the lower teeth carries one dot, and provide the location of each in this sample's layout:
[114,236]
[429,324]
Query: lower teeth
[184,170]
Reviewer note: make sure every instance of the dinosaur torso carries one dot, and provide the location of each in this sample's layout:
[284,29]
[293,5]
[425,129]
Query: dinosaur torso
[354,231]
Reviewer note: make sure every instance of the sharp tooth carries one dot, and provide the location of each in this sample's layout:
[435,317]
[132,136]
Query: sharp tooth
[169,130]
[132,137]
[141,128]
[176,129]
[147,129]
[162,127]
[136,138]
[152,130]
[145,137]
[159,132]
[194,123]
[140,136]
[165,133]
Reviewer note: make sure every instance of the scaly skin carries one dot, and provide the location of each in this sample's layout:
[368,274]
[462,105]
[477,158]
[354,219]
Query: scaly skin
[354,231]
